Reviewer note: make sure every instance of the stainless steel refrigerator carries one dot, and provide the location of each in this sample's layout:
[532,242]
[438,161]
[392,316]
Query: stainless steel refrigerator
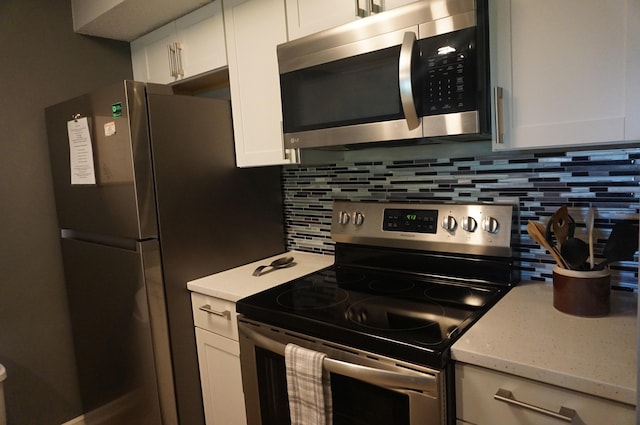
[148,197]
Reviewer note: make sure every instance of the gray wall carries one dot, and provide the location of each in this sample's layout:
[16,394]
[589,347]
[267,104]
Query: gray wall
[42,62]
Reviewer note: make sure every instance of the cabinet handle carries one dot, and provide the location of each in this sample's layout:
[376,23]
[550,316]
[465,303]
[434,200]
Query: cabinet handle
[374,7]
[360,12]
[170,57]
[179,69]
[423,382]
[207,309]
[506,396]
[498,100]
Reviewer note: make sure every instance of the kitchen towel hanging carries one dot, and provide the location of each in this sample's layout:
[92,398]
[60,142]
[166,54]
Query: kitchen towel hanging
[308,386]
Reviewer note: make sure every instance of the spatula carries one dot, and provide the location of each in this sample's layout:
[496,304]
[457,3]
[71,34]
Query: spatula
[621,245]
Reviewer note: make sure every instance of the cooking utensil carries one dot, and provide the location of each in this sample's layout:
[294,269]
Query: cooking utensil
[589,222]
[575,253]
[278,263]
[549,231]
[621,245]
[536,231]
[560,225]
[553,250]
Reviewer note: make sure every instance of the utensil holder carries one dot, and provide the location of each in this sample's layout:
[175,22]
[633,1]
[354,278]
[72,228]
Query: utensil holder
[582,293]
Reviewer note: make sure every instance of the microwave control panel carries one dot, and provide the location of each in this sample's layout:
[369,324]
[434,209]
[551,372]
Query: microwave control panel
[449,72]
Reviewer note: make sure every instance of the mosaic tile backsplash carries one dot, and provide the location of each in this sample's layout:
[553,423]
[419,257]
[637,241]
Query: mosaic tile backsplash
[608,180]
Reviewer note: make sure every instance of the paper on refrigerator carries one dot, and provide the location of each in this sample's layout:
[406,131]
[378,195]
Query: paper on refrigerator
[80,152]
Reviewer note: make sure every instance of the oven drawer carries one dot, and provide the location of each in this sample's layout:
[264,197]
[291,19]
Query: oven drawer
[215,315]
[487,397]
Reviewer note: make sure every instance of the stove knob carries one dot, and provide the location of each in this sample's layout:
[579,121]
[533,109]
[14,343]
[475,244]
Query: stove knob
[469,224]
[449,223]
[490,224]
[358,218]
[343,217]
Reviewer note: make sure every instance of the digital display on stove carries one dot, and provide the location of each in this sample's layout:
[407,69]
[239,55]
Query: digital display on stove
[410,220]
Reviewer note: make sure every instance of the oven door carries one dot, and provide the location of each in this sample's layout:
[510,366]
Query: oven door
[367,389]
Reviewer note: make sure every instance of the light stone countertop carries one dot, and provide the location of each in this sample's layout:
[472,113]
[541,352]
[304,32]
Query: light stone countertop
[239,282]
[524,335]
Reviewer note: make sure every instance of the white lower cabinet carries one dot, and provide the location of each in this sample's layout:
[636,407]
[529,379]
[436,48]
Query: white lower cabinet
[219,360]
[488,397]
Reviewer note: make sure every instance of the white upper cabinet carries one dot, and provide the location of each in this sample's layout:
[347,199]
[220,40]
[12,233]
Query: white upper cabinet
[253,29]
[306,17]
[188,46]
[127,20]
[569,72]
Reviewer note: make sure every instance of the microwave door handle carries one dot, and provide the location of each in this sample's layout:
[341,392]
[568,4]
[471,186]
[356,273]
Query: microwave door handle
[382,378]
[404,80]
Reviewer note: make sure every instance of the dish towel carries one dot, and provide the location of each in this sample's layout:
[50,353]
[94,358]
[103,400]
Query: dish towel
[308,386]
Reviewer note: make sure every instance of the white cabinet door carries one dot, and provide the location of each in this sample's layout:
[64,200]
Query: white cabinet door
[150,56]
[201,34]
[306,17]
[569,71]
[523,401]
[198,45]
[219,360]
[253,29]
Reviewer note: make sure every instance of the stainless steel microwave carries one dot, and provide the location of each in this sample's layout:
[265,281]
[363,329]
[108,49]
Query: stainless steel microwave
[418,71]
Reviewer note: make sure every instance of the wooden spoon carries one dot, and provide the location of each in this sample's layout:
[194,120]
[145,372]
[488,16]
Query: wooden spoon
[589,222]
[536,231]
[560,225]
[555,251]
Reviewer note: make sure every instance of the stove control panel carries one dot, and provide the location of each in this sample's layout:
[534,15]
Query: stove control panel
[480,228]
[410,220]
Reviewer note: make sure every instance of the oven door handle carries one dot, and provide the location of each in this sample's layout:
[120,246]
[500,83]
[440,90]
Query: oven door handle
[408,380]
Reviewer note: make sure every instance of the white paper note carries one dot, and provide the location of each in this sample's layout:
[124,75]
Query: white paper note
[81,152]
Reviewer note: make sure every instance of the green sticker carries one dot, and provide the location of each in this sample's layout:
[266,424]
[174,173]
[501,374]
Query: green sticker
[116,110]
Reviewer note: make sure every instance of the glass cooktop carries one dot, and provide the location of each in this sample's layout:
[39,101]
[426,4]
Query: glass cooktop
[413,318]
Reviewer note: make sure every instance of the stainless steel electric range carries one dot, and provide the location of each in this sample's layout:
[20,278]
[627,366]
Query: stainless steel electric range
[407,281]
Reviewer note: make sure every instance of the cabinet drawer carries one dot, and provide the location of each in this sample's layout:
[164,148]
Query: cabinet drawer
[476,388]
[215,315]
